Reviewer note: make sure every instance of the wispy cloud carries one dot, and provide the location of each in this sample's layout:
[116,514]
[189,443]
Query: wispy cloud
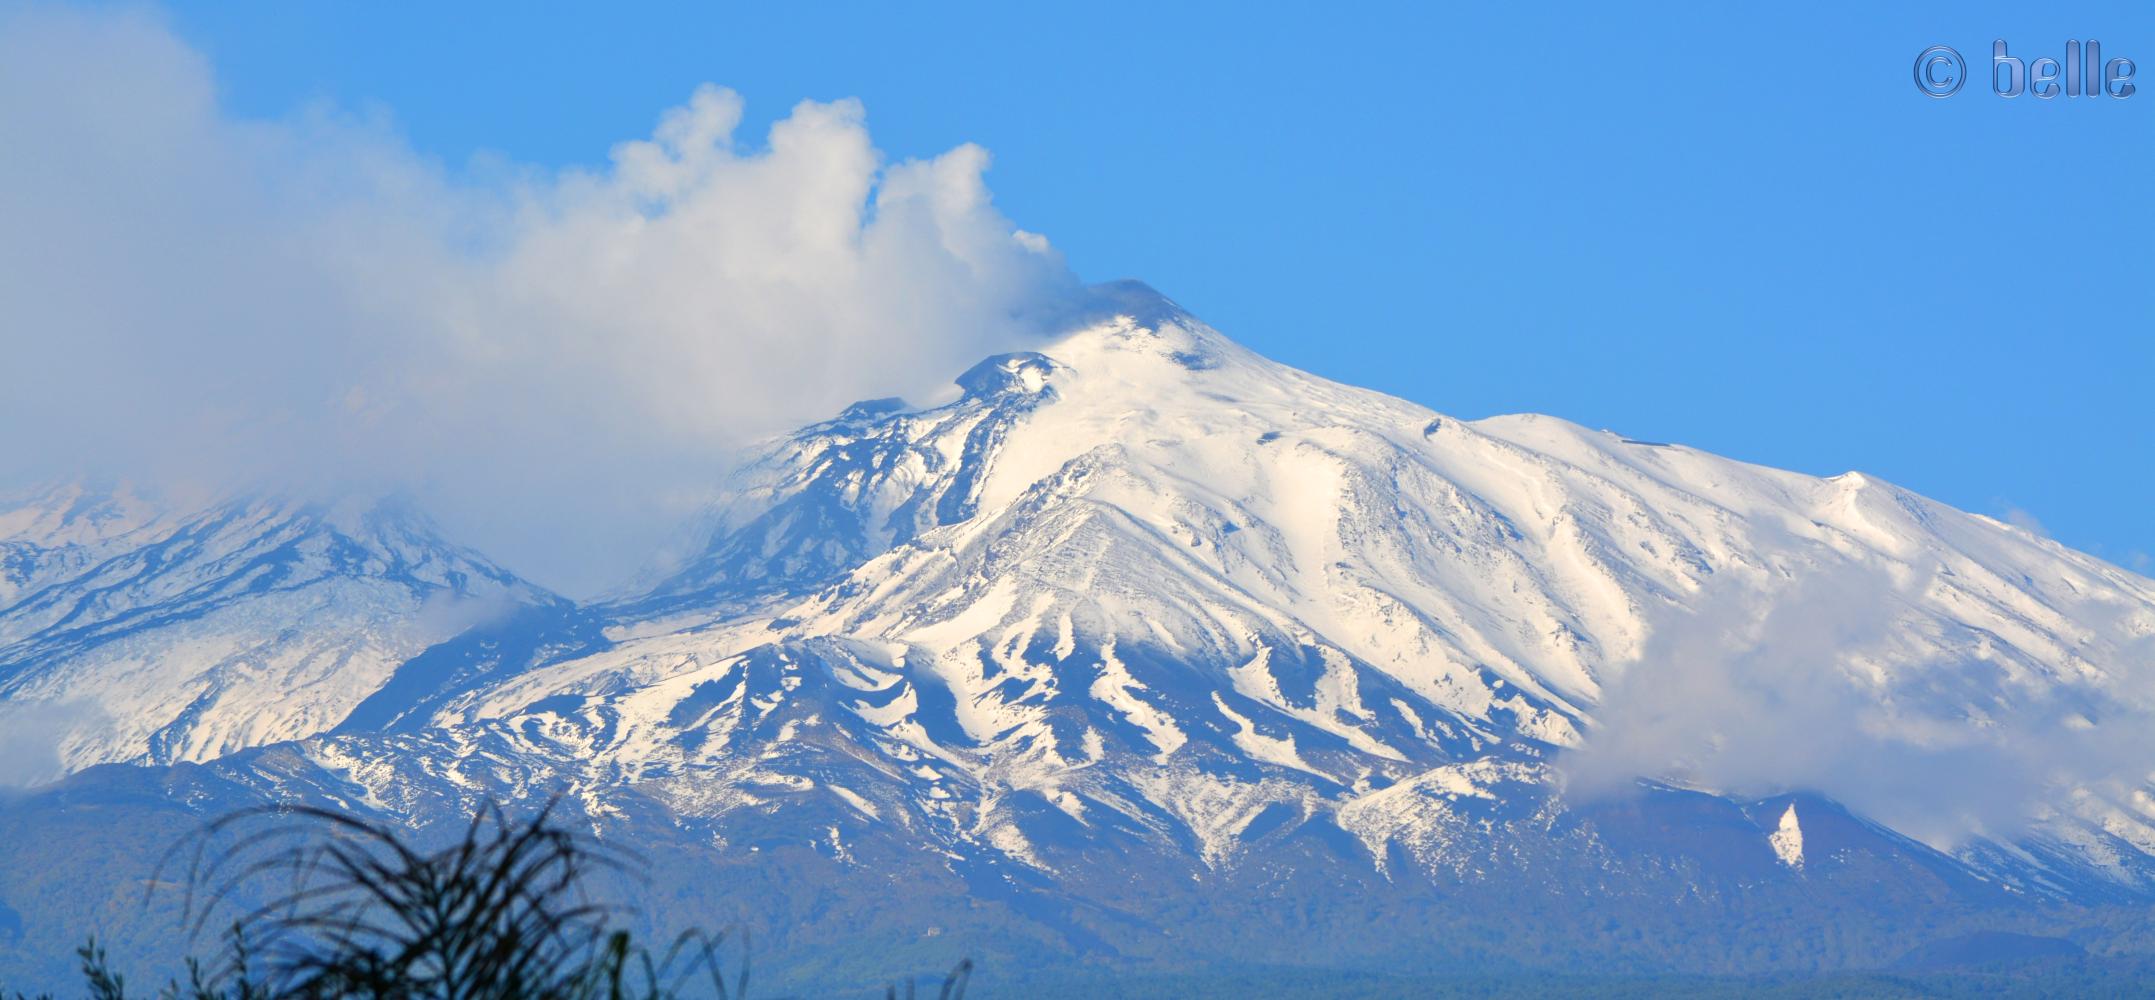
[32,734]
[555,360]
[1796,682]
[2025,521]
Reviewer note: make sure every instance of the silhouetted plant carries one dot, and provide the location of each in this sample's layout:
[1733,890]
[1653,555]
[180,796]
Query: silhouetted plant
[500,914]
[953,984]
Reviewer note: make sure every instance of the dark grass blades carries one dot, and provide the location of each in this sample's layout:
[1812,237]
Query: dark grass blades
[331,905]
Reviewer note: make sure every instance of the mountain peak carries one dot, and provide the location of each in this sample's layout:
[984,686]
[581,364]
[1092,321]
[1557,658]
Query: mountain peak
[1142,547]
[1143,304]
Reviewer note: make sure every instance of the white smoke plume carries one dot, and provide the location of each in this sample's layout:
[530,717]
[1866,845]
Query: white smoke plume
[556,362]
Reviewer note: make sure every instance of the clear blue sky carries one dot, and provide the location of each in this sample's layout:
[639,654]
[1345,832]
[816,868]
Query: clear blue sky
[1733,227]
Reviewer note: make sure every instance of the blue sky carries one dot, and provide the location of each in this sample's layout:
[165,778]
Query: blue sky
[1741,229]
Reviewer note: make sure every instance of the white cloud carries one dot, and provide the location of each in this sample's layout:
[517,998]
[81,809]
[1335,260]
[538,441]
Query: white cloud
[551,359]
[2025,521]
[1763,688]
[32,735]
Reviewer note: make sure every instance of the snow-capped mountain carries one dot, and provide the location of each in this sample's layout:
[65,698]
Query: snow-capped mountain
[1157,582]
[156,633]
[1140,616]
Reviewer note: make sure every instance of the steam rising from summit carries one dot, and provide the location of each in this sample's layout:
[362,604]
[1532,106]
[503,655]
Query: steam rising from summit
[555,361]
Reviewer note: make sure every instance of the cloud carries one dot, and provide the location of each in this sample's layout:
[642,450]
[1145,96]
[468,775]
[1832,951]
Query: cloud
[2025,521]
[1765,687]
[556,361]
[31,737]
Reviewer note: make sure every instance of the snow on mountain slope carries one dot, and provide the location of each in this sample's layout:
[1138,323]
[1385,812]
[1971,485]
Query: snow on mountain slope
[161,634]
[876,476]
[61,529]
[1143,590]
[1144,580]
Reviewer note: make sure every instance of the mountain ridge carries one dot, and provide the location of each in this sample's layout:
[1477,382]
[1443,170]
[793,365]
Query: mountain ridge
[1139,604]
[193,630]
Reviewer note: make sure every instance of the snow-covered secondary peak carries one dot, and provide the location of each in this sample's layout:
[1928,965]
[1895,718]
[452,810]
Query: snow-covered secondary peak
[74,513]
[61,527]
[142,630]
[1155,580]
